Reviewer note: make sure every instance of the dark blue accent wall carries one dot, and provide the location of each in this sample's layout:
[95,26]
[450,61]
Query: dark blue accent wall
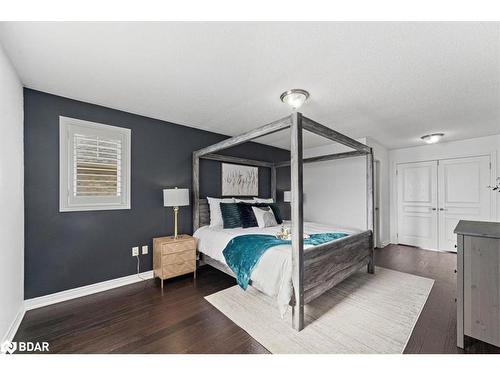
[71,249]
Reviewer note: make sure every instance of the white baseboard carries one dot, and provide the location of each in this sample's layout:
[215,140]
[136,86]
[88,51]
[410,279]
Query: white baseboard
[385,243]
[11,332]
[66,295]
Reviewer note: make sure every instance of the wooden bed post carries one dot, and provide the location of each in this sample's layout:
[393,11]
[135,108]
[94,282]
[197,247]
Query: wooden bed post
[297,221]
[370,208]
[196,191]
[273,183]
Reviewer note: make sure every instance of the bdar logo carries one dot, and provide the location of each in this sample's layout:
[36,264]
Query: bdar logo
[9,347]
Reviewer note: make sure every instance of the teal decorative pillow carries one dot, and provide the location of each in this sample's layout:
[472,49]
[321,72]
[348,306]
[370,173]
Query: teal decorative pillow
[231,217]
[247,215]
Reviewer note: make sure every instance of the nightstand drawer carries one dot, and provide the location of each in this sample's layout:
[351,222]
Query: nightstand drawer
[171,270]
[168,248]
[179,257]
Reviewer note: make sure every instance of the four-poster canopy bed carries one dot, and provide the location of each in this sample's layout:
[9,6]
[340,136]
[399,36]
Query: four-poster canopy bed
[315,269]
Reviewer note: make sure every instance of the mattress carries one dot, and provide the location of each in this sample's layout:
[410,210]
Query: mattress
[273,273]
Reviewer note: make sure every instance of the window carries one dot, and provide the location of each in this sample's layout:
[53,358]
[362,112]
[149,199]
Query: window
[94,166]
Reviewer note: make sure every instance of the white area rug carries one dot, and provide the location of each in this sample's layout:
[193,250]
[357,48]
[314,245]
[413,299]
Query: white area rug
[364,314]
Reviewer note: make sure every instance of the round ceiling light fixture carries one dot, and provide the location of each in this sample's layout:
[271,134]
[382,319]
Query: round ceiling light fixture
[432,138]
[294,97]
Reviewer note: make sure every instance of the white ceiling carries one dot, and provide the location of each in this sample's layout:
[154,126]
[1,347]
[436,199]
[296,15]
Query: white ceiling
[393,82]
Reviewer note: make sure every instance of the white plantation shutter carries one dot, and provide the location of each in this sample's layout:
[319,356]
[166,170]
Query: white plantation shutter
[97,166]
[94,166]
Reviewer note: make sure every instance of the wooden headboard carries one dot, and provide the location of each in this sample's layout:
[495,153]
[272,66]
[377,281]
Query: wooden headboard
[204,211]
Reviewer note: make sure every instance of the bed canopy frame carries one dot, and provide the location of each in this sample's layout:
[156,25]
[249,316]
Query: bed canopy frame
[319,268]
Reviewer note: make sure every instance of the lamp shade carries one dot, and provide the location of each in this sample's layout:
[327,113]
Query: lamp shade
[287,196]
[175,197]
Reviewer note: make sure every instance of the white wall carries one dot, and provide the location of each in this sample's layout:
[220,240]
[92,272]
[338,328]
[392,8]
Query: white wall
[11,199]
[469,147]
[335,191]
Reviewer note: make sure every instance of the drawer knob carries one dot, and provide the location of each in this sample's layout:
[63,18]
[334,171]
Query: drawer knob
[455,271]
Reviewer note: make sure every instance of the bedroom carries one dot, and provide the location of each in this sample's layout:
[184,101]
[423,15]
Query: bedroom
[164,183]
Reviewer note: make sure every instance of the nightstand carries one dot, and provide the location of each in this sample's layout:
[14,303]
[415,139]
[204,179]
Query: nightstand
[174,257]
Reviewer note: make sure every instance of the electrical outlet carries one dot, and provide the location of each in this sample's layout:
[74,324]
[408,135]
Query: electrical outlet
[135,251]
[144,249]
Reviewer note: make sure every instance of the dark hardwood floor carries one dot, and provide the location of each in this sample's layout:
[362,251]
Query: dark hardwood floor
[139,318]
[435,331]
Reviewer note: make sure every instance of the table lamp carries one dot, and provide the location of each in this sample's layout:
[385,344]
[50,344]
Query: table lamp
[175,198]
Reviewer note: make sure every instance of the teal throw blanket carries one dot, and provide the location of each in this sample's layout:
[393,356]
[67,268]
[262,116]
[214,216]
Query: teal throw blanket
[242,253]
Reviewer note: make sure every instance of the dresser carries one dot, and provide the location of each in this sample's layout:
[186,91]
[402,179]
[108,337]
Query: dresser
[174,256]
[478,281]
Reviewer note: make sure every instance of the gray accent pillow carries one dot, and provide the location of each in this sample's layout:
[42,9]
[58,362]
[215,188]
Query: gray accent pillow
[265,217]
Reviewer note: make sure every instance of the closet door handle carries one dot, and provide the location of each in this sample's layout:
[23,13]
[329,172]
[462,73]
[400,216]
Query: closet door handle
[443,209]
[433,208]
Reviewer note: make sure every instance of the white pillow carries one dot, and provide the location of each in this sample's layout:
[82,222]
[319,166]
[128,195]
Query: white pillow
[265,217]
[264,200]
[215,212]
[237,200]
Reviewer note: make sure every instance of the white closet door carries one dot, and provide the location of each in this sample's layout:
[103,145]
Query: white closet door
[463,195]
[417,204]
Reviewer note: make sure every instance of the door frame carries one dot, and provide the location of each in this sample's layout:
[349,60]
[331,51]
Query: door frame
[377,203]
[394,187]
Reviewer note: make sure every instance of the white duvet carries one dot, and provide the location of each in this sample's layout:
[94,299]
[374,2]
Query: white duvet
[273,273]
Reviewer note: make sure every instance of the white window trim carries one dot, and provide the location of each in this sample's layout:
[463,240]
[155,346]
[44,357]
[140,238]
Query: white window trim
[66,124]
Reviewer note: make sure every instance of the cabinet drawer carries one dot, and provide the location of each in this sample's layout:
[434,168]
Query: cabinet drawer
[171,270]
[179,257]
[168,248]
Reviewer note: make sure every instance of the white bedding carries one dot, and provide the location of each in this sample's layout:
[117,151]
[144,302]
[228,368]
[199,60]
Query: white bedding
[273,273]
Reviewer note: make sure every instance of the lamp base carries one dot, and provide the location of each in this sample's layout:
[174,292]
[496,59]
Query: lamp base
[176,214]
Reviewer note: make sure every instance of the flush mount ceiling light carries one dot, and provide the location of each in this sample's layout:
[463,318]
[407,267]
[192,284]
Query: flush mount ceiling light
[294,97]
[432,138]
